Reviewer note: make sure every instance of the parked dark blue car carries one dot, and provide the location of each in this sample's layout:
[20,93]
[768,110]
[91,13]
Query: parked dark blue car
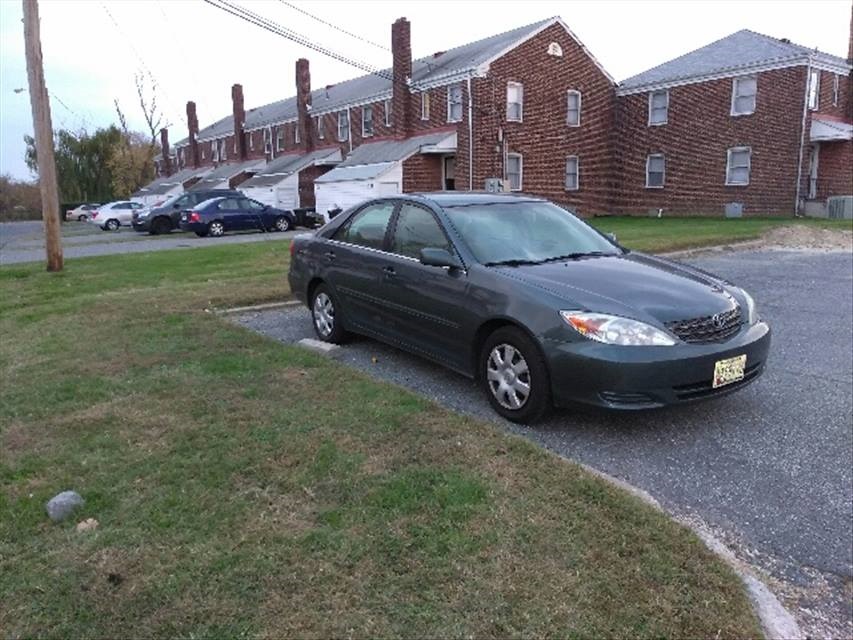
[216,216]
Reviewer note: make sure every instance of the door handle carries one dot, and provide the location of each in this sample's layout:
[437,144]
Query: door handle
[389,271]
[330,255]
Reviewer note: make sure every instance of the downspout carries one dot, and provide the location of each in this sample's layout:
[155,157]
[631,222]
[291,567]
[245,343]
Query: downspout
[802,137]
[349,124]
[470,138]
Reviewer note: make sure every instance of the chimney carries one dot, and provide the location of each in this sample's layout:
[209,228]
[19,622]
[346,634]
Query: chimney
[239,120]
[303,104]
[164,146]
[850,40]
[401,101]
[192,124]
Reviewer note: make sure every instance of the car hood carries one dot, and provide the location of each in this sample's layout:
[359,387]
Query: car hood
[633,285]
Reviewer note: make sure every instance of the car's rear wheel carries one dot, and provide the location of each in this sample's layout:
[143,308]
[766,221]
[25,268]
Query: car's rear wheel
[515,376]
[112,224]
[325,316]
[282,223]
[82,218]
[160,226]
[216,229]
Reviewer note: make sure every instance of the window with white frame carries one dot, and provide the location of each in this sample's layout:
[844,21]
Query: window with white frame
[367,121]
[424,105]
[835,82]
[279,139]
[180,158]
[814,89]
[573,108]
[738,163]
[388,112]
[343,126]
[214,151]
[223,148]
[658,107]
[743,95]
[514,101]
[251,137]
[235,144]
[454,103]
[655,171]
[572,173]
[514,171]
[321,133]
[296,135]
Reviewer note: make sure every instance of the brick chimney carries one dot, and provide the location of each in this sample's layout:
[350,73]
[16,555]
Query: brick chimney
[192,125]
[401,102]
[239,120]
[303,104]
[164,146]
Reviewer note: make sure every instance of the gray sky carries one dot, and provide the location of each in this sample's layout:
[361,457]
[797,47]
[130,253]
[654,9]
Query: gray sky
[196,52]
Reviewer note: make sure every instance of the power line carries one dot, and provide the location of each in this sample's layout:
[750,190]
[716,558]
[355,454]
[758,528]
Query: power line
[333,26]
[273,27]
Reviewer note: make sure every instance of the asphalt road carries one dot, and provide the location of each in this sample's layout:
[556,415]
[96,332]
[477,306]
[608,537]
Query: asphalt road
[24,241]
[768,469]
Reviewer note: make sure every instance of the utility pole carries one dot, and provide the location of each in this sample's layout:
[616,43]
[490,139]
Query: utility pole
[43,130]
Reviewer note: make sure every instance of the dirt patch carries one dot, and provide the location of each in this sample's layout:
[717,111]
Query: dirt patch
[802,237]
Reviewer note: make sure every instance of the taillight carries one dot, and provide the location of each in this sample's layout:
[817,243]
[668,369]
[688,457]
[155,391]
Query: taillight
[94,214]
[292,248]
[195,216]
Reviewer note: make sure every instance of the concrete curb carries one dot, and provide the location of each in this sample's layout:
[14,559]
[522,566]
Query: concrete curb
[776,621]
[324,348]
[259,307]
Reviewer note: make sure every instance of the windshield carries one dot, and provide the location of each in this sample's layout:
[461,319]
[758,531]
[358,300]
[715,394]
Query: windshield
[526,232]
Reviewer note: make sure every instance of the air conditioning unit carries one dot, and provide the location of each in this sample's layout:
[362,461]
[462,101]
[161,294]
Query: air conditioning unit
[496,185]
[840,207]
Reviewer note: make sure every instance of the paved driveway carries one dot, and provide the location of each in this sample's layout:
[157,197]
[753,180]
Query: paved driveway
[24,241]
[767,469]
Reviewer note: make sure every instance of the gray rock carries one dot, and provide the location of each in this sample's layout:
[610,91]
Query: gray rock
[63,504]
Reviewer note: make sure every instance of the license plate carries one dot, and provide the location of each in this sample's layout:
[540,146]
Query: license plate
[729,370]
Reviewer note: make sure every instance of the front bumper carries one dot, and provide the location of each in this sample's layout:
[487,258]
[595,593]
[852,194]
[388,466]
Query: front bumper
[140,224]
[647,377]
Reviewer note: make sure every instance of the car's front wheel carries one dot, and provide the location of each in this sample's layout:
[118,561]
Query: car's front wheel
[515,376]
[112,225]
[216,229]
[160,226]
[325,316]
[282,223]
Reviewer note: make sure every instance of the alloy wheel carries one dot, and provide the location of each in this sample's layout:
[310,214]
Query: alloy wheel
[324,314]
[508,376]
[282,224]
[216,229]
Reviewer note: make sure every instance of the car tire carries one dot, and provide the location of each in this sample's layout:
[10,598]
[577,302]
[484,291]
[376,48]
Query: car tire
[112,225]
[326,317]
[82,218]
[216,229]
[282,223]
[160,226]
[514,375]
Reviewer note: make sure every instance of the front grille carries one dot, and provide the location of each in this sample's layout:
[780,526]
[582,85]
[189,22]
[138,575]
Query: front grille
[714,328]
[706,388]
[628,399]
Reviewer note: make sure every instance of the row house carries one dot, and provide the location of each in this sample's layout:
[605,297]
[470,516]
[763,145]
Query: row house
[746,125]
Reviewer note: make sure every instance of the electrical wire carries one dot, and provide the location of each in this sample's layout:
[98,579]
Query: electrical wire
[333,26]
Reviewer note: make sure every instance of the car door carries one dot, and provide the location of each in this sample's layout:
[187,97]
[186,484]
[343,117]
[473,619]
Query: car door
[353,259]
[229,212]
[253,213]
[123,212]
[426,306]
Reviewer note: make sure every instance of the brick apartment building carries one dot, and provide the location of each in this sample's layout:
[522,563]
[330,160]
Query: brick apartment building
[747,123]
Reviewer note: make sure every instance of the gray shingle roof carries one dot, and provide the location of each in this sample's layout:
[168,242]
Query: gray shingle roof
[167,183]
[225,172]
[372,86]
[373,158]
[283,166]
[741,50]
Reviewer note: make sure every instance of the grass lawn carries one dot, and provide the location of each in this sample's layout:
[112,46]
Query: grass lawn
[246,488]
[670,234]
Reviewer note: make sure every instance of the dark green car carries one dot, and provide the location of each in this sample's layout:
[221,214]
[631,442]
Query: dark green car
[528,299]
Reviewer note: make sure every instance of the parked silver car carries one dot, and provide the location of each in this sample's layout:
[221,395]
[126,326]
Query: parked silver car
[113,215]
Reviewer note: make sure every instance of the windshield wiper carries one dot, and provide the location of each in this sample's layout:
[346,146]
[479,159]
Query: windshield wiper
[511,263]
[579,254]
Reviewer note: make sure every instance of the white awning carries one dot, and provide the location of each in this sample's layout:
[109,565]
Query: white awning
[829,130]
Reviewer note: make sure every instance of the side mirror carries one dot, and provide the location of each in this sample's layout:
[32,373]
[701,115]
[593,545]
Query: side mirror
[612,237]
[176,206]
[434,257]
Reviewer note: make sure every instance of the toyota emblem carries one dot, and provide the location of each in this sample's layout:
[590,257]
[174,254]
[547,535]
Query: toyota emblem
[718,320]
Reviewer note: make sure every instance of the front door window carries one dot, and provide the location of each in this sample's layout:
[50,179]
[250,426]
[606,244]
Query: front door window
[449,173]
[813,161]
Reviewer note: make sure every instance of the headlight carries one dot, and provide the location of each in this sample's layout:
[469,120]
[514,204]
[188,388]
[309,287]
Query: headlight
[615,329]
[751,310]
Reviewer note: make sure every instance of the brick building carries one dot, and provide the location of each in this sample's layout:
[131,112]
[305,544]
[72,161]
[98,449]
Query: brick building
[747,123]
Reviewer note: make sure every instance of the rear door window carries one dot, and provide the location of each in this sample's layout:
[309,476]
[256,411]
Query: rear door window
[417,229]
[367,227]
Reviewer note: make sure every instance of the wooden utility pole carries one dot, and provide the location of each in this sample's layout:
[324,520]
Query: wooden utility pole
[43,130]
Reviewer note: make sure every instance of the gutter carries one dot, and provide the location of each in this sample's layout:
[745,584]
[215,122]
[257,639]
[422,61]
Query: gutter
[470,137]
[802,138]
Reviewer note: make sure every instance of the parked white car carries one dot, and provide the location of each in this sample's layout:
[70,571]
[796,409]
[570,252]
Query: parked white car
[113,215]
[82,212]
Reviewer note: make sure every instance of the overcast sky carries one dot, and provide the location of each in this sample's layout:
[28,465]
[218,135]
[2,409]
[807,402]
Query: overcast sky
[196,52]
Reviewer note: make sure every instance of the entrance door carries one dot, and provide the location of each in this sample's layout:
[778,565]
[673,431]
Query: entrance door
[813,161]
[449,173]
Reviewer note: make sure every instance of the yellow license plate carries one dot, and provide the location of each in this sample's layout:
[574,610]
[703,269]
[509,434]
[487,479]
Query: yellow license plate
[729,370]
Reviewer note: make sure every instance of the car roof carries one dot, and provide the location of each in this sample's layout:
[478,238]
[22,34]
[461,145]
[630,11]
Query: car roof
[462,198]
[208,201]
